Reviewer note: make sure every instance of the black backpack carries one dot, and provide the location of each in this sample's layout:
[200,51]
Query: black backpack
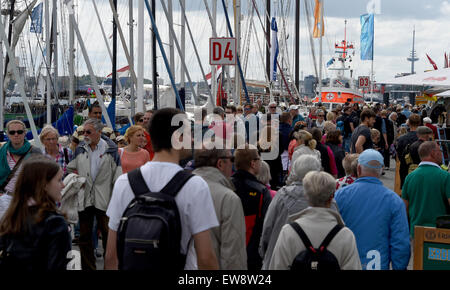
[315,259]
[149,234]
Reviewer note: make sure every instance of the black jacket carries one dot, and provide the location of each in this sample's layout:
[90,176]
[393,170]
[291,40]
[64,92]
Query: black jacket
[255,198]
[43,248]
[402,147]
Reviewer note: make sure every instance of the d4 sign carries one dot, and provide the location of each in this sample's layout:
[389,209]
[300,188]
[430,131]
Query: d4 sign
[222,51]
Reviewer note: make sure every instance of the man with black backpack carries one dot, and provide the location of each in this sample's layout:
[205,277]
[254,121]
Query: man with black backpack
[161,216]
[317,239]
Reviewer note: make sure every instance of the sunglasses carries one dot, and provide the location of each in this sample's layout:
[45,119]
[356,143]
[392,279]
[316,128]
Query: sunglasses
[272,107]
[87,132]
[321,115]
[141,120]
[13,132]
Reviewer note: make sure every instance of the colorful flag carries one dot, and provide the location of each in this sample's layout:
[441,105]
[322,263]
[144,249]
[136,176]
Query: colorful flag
[274,50]
[330,62]
[209,75]
[318,20]
[123,72]
[367,36]
[432,62]
[36,19]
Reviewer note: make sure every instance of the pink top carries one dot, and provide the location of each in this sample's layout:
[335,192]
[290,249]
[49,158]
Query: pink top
[292,145]
[132,160]
[272,192]
[333,167]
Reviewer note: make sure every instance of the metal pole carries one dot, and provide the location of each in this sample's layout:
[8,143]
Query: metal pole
[297,44]
[183,43]
[71,62]
[268,42]
[48,62]
[131,20]
[237,25]
[55,49]
[320,57]
[155,73]
[171,46]
[213,67]
[140,58]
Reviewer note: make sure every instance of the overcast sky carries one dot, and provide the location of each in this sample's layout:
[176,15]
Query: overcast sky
[393,35]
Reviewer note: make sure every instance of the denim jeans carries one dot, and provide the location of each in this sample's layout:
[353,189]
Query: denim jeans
[347,143]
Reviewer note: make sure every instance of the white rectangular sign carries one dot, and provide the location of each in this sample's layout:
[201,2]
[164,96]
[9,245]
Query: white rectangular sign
[364,82]
[222,51]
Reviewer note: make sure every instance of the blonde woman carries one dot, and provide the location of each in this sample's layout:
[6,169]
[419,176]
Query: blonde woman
[328,127]
[53,150]
[133,156]
[306,145]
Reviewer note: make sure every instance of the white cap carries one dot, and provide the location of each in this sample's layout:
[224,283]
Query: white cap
[427,120]
[293,107]
[272,103]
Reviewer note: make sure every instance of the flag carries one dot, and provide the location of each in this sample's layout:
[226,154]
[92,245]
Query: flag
[367,36]
[274,50]
[432,62]
[36,19]
[318,20]
[209,75]
[330,62]
[446,61]
[123,72]
[430,97]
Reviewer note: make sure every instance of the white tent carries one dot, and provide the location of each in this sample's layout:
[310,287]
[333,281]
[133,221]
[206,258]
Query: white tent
[439,78]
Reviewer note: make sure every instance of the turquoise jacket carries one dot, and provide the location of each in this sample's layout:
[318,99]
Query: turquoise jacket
[377,217]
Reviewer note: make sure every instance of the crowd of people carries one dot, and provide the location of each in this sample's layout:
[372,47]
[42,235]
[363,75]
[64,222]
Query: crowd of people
[241,209]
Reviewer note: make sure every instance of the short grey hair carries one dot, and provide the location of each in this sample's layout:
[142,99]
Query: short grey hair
[264,173]
[48,129]
[302,165]
[319,187]
[371,171]
[96,123]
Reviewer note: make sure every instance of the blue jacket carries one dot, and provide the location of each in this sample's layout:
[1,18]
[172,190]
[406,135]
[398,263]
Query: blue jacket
[285,130]
[377,217]
[296,119]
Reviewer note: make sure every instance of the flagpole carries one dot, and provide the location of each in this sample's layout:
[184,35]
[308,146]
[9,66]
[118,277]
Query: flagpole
[320,58]
[371,68]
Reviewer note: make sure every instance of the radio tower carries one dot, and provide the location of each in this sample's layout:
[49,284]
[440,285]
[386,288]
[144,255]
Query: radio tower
[413,57]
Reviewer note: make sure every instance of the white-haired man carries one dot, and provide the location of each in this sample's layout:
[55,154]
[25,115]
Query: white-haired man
[376,215]
[98,160]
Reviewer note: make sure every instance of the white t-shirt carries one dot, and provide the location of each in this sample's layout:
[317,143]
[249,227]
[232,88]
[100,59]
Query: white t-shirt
[194,203]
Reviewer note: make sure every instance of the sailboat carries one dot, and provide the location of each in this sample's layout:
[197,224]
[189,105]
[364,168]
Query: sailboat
[341,88]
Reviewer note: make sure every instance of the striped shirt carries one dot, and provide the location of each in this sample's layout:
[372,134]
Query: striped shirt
[60,159]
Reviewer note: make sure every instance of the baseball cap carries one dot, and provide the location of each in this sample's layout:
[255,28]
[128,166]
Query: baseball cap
[371,155]
[293,107]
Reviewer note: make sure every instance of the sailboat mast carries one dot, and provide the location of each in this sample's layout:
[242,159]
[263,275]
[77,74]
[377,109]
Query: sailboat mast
[131,23]
[48,60]
[55,48]
[140,58]
[320,56]
[10,31]
[155,73]
[268,43]
[71,61]
[297,44]
[114,66]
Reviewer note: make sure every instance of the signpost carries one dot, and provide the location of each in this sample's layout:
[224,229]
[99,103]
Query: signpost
[222,51]
[431,248]
[364,82]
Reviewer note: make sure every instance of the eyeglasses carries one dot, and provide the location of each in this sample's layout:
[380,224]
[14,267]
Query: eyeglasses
[87,132]
[13,132]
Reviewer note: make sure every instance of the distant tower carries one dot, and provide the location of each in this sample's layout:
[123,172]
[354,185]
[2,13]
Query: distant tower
[413,57]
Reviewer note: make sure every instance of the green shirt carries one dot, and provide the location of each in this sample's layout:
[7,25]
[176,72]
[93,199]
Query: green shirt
[425,189]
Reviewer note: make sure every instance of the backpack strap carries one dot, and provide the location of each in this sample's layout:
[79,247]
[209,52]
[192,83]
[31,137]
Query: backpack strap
[298,229]
[137,182]
[330,236]
[176,183]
